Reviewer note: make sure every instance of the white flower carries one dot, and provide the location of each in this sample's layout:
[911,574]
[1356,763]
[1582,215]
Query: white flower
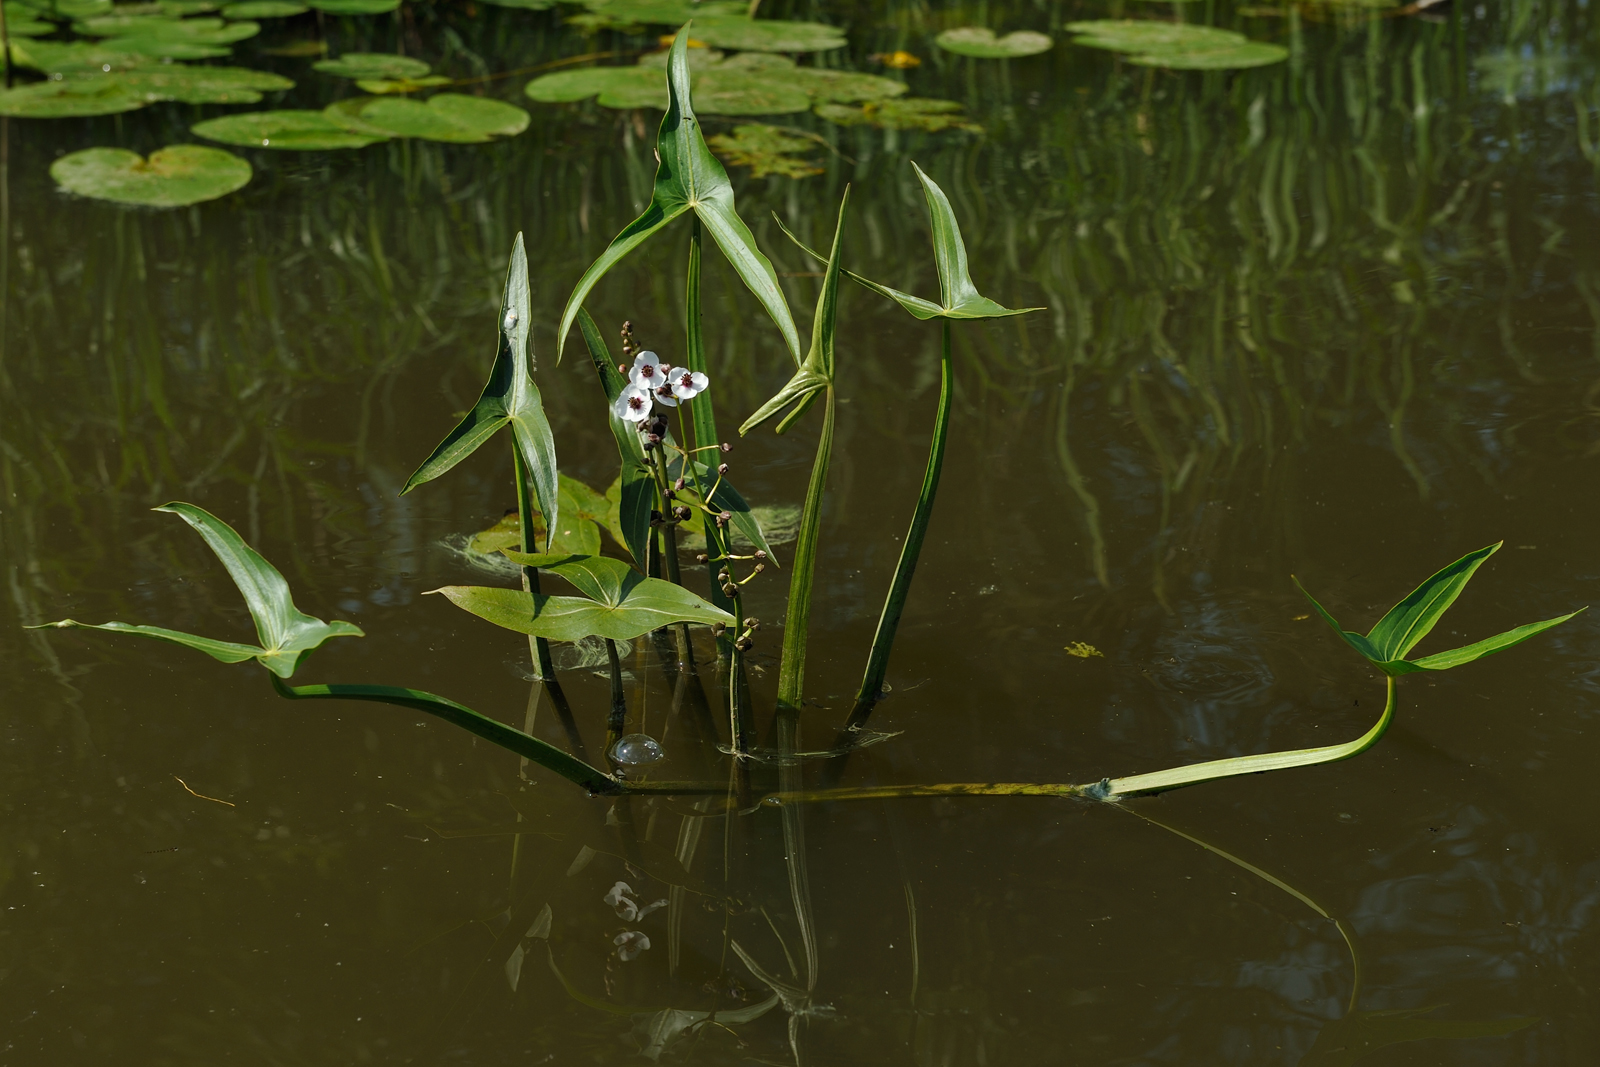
[629,944]
[632,404]
[626,909]
[664,397]
[687,384]
[648,370]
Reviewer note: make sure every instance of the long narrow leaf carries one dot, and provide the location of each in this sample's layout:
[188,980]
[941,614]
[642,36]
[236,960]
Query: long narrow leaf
[1354,640]
[1443,661]
[530,748]
[226,651]
[638,489]
[690,178]
[509,398]
[1409,621]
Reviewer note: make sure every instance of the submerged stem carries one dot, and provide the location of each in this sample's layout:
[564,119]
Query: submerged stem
[792,671]
[617,720]
[538,647]
[894,605]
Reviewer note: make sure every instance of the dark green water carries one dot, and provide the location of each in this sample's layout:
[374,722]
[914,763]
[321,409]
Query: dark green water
[1333,318]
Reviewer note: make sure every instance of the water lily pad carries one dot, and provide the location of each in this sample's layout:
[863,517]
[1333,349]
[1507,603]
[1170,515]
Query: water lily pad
[75,98]
[618,87]
[767,35]
[264,9]
[906,113]
[526,5]
[23,27]
[383,86]
[69,9]
[663,12]
[1230,57]
[174,176]
[355,7]
[980,42]
[208,31]
[372,65]
[74,57]
[1148,36]
[296,131]
[179,8]
[766,150]
[450,117]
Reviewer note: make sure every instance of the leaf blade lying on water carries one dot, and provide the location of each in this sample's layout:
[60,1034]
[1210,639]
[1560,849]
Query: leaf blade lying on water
[301,131]
[175,176]
[980,42]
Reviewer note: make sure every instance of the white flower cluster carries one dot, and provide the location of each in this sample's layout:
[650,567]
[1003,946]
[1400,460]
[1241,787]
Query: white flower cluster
[652,382]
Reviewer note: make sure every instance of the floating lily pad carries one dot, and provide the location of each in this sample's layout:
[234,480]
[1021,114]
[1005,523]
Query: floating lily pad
[617,87]
[201,85]
[297,131]
[264,9]
[980,42]
[28,27]
[386,86]
[1231,57]
[450,117]
[526,5]
[662,12]
[766,150]
[355,7]
[767,35]
[906,113]
[74,57]
[372,65]
[69,9]
[76,98]
[180,8]
[207,31]
[174,176]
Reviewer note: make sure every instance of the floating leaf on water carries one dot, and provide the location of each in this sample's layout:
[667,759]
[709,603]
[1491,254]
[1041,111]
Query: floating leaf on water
[264,9]
[299,131]
[355,7]
[766,150]
[74,57]
[180,8]
[450,117]
[580,510]
[1083,650]
[28,27]
[204,31]
[174,176]
[1180,46]
[735,93]
[617,87]
[372,65]
[526,5]
[767,35]
[201,84]
[906,113]
[609,13]
[980,42]
[75,98]
[68,9]
[1233,57]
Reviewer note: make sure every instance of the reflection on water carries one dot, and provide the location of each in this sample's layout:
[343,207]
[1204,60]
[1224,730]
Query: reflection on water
[1334,317]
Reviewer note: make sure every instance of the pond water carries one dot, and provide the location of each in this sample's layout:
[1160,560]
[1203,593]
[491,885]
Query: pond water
[1332,317]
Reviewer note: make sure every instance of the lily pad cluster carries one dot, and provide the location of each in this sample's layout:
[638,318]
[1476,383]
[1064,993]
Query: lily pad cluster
[377,72]
[980,42]
[78,95]
[1176,45]
[453,118]
[751,83]
[718,23]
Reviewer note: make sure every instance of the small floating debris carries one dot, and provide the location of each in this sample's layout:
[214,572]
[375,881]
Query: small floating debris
[1084,651]
[637,750]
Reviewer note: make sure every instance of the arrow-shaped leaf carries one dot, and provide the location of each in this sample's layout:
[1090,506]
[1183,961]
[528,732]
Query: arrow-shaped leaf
[509,398]
[619,602]
[286,633]
[689,178]
[959,298]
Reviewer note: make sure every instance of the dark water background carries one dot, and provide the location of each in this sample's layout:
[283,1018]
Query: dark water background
[1334,317]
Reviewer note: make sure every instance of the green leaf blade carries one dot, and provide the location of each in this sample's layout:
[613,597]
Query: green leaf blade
[632,236]
[1443,661]
[638,490]
[1354,640]
[225,651]
[646,604]
[1409,621]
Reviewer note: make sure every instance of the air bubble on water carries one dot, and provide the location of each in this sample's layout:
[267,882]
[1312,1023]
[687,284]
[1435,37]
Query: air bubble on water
[636,750]
[511,318]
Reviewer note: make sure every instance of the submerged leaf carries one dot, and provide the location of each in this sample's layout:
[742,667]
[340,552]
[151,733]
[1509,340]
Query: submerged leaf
[766,150]
[372,65]
[286,634]
[980,42]
[175,176]
[1348,1041]
[906,113]
[303,131]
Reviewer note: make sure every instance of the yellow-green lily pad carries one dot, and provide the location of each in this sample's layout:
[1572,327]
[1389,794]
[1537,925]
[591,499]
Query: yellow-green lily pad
[980,42]
[387,86]
[355,7]
[263,9]
[449,117]
[767,35]
[175,176]
[295,131]
[72,98]
[372,65]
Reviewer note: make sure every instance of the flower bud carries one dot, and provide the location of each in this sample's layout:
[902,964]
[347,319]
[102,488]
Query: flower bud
[679,484]
[701,558]
[681,514]
[752,623]
[718,629]
[744,644]
[729,589]
[722,468]
[622,369]
[760,554]
[760,567]
[726,447]
[726,516]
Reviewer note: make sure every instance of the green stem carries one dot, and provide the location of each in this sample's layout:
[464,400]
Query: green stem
[536,751]
[894,605]
[538,647]
[702,413]
[617,721]
[792,671]
[1214,770]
